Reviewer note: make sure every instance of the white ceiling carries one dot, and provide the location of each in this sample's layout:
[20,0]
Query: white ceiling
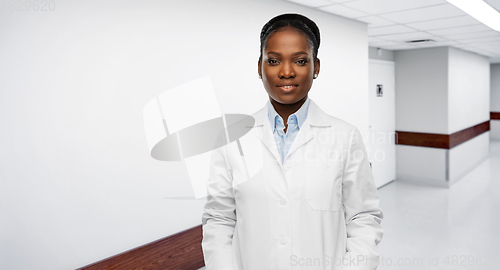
[391,23]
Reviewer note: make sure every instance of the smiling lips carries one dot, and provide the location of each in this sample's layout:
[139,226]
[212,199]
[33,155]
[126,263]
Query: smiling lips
[287,87]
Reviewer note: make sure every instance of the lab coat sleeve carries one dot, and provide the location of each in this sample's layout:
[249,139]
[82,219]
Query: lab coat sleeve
[219,217]
[361,207]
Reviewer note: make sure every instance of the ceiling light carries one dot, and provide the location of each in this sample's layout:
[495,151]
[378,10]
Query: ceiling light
[420,41]
[480,11]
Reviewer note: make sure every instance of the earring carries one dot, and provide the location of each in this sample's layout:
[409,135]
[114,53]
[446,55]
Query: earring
[260,77]
[315,75]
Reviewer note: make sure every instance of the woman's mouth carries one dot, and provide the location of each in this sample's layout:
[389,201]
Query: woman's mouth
[287,88]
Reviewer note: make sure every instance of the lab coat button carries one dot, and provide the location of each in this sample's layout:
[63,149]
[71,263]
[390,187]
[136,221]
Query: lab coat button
[283,241]
[283,201]
[288,164]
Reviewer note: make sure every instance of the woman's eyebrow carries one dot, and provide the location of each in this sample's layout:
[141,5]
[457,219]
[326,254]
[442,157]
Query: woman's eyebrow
[297,53]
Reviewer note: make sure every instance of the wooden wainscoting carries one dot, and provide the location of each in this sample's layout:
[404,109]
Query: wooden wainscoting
[443,141]
[181,251]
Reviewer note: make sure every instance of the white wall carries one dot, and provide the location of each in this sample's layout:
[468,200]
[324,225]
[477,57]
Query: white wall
[421,165]
[469,102]
[77,182]
[441,90]
[468,89]
[495,100]
[495,87]
[421,90]
[466,156]
[495,130]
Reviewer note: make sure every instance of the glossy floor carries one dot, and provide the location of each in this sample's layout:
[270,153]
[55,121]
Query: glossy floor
[444,228]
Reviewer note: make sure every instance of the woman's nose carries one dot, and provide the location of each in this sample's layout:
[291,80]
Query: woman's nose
[287,71]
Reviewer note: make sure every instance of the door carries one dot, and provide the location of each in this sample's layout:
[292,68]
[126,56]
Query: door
[382,121]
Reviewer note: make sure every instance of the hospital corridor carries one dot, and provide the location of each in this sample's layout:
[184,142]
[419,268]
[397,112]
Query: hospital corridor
[250,134]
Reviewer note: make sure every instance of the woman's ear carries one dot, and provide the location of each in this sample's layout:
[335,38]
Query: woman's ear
[316,66]
[259,70]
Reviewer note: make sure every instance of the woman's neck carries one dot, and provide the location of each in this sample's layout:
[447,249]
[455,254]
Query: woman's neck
[285,110]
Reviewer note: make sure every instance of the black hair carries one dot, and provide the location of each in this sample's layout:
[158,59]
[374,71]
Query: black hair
[297,21]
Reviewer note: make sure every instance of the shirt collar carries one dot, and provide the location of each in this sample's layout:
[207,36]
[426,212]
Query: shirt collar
[300,114]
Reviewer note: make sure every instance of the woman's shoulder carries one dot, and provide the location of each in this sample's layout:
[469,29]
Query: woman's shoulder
[320,117]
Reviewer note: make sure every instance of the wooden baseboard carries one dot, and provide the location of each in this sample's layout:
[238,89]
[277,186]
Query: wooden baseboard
[495,115]
[181,251]
[443,141]
[468,133]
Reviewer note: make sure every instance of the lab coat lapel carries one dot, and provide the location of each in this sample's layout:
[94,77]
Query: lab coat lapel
[315,118]
[265,132]
[267,137]
[305,134]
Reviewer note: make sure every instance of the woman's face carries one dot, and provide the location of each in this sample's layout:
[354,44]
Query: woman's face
[287,66]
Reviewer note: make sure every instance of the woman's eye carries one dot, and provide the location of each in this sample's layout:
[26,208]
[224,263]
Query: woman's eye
[302,61]
[272,62]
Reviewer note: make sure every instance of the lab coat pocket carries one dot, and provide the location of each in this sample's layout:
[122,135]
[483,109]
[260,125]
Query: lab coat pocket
[323,185]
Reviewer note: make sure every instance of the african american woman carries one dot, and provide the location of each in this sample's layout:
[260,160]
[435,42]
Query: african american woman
[313,204]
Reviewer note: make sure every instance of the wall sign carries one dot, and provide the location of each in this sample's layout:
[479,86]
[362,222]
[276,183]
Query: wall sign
[380,91]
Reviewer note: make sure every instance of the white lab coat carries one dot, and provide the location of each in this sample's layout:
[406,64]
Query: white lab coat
[319,210]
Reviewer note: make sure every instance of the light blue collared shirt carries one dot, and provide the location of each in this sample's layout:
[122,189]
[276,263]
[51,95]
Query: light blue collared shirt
[284,140]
